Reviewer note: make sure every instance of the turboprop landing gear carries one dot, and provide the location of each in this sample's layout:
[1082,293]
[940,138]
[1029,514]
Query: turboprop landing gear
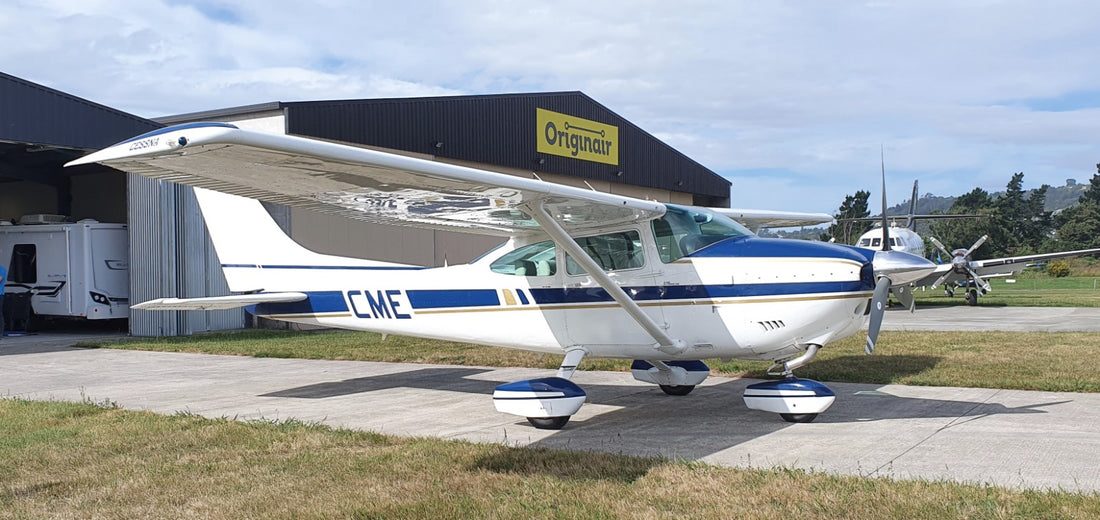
[548,402]
[972,297]
[795,400]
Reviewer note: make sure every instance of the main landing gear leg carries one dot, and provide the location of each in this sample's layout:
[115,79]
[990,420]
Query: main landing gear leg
[548,402]
[795,400]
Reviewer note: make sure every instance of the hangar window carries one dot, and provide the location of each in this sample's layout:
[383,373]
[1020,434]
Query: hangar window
[532,260]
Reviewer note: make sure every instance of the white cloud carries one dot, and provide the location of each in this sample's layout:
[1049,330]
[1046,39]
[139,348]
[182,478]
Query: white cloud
[807,92]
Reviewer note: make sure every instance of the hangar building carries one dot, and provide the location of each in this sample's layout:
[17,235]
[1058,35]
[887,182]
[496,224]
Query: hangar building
[170,255]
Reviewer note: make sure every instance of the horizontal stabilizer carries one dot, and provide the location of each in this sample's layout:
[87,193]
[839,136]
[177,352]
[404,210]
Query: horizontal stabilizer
[212,303]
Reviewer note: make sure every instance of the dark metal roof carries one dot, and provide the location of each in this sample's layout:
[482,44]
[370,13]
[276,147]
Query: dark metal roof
[33,114]
[502,130]
[41,129]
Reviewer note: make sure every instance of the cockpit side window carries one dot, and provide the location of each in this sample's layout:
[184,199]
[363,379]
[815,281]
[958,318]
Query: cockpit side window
[682,231]
[531,260]
[612,252]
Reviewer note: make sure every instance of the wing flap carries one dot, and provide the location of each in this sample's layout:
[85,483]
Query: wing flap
[212,303]
[362,183]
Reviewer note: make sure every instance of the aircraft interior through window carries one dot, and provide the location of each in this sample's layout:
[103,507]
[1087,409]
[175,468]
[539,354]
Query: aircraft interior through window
[612,252]
[683,231]
[531,260]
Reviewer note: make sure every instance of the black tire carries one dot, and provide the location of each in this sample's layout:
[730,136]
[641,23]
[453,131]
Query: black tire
[798,417]
[972,297]
[548,423]
[677,389]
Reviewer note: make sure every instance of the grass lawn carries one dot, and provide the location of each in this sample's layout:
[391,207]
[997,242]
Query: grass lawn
[1032,290]
[1010,360]
[82,460]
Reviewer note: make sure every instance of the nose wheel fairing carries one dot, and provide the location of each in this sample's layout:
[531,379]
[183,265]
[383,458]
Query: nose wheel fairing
[794,399]
[547,403]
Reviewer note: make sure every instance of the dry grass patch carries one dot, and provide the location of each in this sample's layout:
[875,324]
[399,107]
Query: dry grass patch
[79,460]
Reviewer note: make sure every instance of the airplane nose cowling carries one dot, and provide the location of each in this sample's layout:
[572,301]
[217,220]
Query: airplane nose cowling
[900,267]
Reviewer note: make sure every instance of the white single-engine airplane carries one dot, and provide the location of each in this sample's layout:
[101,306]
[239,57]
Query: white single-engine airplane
[583,273]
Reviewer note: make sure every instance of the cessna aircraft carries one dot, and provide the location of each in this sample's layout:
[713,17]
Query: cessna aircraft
[960,271]
[583,273]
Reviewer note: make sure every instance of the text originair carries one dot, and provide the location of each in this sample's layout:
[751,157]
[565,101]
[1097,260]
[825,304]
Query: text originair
[571,136]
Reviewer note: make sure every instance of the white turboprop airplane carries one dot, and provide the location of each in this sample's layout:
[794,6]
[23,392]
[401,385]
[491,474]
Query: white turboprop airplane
[960,271]
[583,273]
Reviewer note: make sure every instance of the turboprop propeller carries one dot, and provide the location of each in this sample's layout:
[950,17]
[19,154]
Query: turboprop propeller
[960,263]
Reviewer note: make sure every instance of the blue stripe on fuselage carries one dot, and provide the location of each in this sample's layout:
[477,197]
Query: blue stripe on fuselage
[318,302]
[756,247]
[445,298]
[696,292]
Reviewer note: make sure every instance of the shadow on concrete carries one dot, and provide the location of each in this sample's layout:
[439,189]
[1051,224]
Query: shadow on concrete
[633,417]
[449,379]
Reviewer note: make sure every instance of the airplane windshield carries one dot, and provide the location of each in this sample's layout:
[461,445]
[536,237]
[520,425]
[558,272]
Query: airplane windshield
[684,230]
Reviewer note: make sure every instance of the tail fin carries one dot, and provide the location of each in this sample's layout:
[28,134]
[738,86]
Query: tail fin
[910,221]
[254,252]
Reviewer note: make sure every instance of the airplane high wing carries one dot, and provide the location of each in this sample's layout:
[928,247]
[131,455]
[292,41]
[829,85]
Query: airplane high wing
[360,183]
[365,184]
[584,273]
[755,219]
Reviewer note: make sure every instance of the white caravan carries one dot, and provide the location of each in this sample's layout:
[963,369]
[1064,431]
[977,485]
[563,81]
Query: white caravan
[79,270]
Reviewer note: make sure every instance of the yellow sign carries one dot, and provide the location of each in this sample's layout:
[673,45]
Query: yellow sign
[571,136]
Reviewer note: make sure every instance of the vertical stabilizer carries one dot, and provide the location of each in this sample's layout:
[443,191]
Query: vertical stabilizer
[253,251]
[910,220]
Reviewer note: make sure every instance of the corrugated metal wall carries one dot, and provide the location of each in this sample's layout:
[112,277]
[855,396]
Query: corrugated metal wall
[171,256]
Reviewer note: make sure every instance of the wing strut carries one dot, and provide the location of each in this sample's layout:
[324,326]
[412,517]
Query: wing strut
[666,344]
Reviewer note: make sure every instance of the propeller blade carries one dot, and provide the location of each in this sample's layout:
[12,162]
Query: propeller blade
[940,246]
[904,294]
[941,279]
[978,280]
[878,308]
[976,245]
[885,224]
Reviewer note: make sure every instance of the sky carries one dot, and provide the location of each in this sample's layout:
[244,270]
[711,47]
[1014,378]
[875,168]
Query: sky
[798,104]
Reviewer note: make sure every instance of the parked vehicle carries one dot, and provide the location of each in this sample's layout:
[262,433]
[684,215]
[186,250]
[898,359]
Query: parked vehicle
[79,270]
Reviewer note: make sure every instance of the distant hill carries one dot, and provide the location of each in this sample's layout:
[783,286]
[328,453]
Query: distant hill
[1058,198]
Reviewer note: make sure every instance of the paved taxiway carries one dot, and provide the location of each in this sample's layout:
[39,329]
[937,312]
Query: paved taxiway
[1003,437]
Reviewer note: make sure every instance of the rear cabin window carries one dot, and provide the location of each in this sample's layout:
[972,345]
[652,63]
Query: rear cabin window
[612,252]
[532,260]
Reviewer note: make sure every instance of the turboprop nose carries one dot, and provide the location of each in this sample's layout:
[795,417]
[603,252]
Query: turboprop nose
[900,267]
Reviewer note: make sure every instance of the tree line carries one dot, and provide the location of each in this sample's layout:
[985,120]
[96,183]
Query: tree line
[1016,222]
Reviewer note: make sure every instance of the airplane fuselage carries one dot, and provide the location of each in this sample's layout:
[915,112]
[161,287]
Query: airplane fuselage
[744,297]
[901,239]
